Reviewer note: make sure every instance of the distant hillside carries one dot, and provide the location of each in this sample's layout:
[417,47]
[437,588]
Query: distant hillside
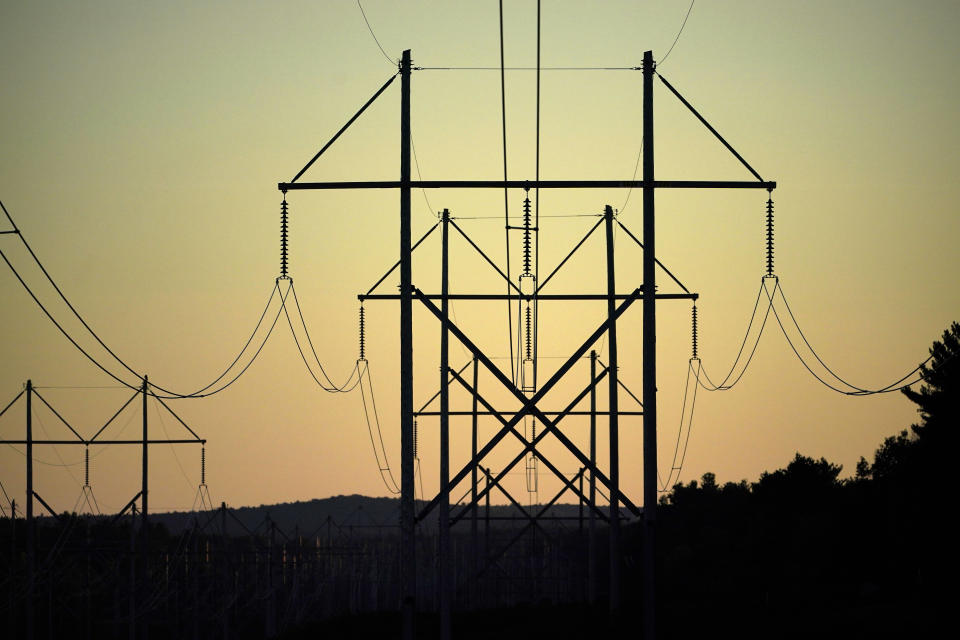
[360,514]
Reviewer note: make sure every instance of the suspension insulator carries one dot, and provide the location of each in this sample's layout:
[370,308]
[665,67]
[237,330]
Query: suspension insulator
[415,438]
[529,332]
[86,466]
[283,236]
[203,465]
[526,234]
[694,318]
[770,236]
[362,335]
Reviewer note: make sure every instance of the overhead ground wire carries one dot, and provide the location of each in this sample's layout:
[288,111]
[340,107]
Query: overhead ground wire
[675,40]
[373,35]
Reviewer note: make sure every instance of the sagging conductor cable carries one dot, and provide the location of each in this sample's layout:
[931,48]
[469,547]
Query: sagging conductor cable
[165,393]
[686,424]
[373,421]
[353,379]
[726,384]
[852,390]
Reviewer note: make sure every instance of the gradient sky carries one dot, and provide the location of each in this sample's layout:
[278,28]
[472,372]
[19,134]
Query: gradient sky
[142,145]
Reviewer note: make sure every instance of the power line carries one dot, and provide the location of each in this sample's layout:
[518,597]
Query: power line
[382,467]
[506,198]
[723,386]
[685,418]
[416,163]
[372,34]
[664,58]
[163,426]
[636,166]
[856,390]
[330,387]
[168,393]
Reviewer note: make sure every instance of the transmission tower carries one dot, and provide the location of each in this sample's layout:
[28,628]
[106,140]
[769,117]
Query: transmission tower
[529,397]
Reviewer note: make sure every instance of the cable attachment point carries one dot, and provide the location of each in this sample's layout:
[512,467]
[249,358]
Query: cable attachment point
[694,322]
[283,237]
[362,334]
[770,235]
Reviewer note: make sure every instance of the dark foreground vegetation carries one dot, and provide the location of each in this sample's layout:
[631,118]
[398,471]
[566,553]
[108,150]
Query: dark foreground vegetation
[801,552]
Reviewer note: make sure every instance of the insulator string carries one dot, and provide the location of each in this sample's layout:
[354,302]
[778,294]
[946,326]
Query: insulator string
[526,234]
[362,335]
[770,235]
[529,332]
[203,465]
[415,438]
[283,236]
[694,322]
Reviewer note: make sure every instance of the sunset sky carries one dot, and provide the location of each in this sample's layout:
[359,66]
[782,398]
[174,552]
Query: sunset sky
[141,145]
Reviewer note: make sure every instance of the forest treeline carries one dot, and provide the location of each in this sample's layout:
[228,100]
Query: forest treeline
[805,551]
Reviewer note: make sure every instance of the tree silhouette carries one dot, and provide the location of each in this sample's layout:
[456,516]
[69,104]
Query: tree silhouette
[922,454]
[803,479]
[938,400]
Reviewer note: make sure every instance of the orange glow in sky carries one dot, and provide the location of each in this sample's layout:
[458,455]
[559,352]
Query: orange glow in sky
[142,146]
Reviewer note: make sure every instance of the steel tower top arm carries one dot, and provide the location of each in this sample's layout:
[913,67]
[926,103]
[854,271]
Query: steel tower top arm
[523,184]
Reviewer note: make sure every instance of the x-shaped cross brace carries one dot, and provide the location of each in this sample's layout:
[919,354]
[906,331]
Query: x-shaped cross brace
[529,404]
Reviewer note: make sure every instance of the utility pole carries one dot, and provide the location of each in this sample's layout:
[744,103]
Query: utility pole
[444,511]
[649,358]
[31,532]
[144,528]
[132,602]
[143,494]
[614,408]
[591,531]
[474,593]
[408,566]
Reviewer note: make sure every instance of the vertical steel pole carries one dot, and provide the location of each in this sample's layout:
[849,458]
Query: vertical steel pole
[143,503]
[144,529]
[580,512]
[132,622]
[591,532]
[474,591]
[271,562]
[407,545]
[13,551]
[225,567]
[649,358]
[31,532]
[195,581]
[614,422]
[486,513]
[444,510]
